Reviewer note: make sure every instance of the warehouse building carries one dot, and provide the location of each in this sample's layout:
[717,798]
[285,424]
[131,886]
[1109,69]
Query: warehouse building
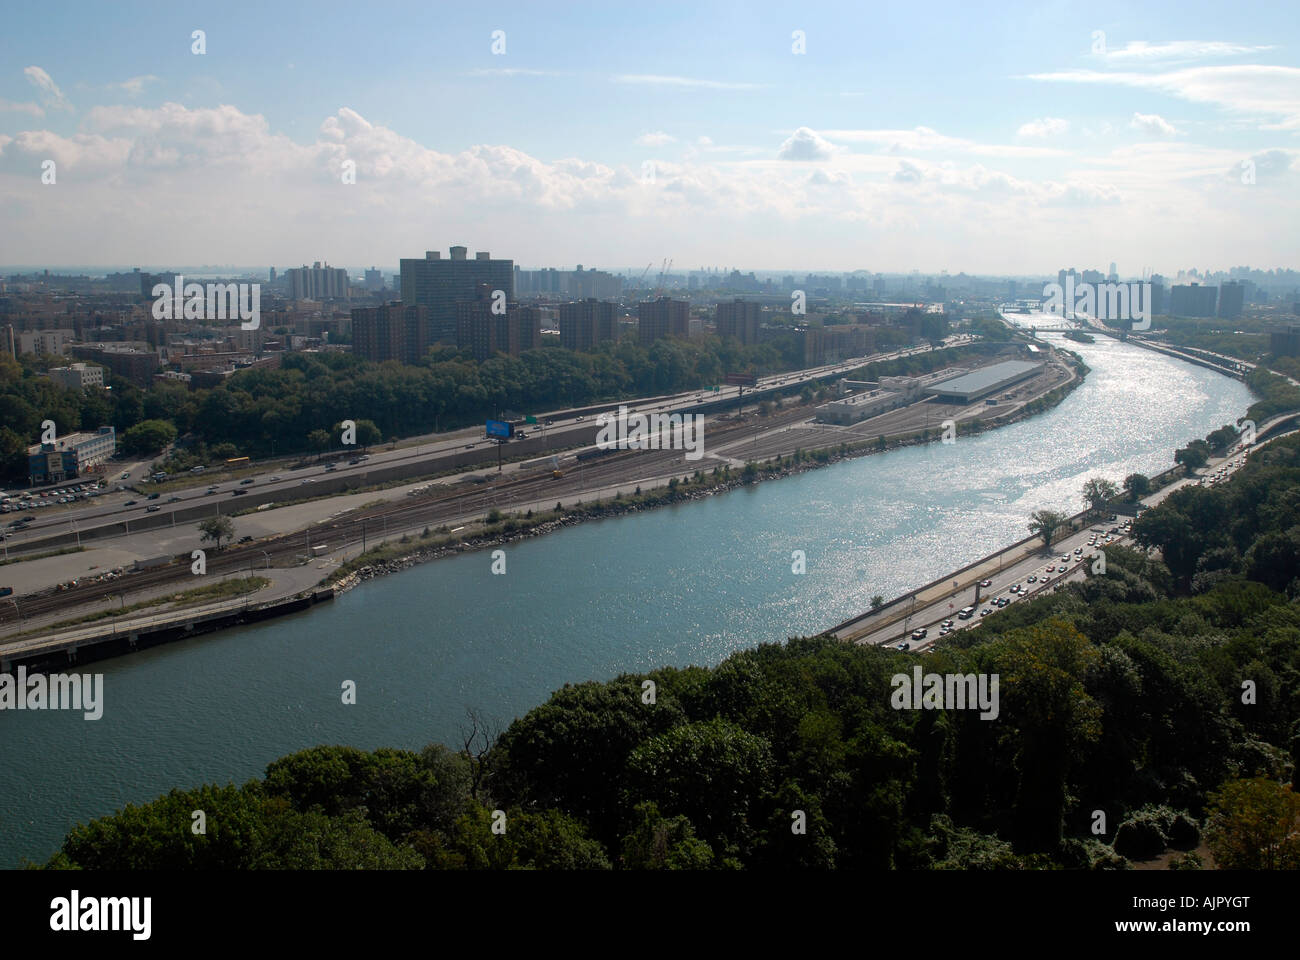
[978,384]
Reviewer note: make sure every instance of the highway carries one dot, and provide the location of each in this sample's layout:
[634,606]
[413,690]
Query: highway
[128,487]
[995,577]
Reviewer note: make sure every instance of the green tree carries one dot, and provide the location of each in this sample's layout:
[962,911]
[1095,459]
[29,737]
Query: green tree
[1045,523]
[1253,826]
[148,437]
[1099,491]
[216,529]
[1137,485]
[1193,456]
[319,440]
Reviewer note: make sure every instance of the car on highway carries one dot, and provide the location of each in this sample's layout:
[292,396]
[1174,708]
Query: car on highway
[577,419]
[1078,551]
[469,446]
[130,503]
[1051,568]
[965,613]
[919,633]
[902,646]
[1015,588]
[300,482]
[1032,578]
[153,496]
[273,480]
[173,499]
[246,539]
[947,623]
[246,481]
[986,583]
[1001,601]
[212,490]
[331,467]
[239,493]
[152,509]
[1065,559]
[986,611]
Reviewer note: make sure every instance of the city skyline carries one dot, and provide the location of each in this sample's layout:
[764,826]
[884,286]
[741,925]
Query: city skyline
[897,140]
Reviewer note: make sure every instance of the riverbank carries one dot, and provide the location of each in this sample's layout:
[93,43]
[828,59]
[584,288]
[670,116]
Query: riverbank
[511,528]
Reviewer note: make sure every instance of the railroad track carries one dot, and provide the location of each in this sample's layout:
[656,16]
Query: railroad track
[439,504]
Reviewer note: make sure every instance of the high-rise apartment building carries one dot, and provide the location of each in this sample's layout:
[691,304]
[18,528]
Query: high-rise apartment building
[396,331]
[1232,298]
[485,333]
[374,279]
[662,317]
[1192,300]
[739,319]
[585,323]
[439,284]
[317,282]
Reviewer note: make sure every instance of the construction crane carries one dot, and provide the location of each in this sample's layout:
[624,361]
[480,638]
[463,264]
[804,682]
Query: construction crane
[640,282]
[663,276]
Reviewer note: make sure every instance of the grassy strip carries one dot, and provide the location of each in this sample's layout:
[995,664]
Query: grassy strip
[42,556]
[212,591]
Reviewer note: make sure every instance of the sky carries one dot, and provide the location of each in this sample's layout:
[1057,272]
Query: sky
[1016,139]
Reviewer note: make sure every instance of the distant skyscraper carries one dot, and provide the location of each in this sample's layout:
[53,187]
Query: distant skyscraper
[663,317]
[374,279]
[317,282]
[1113,276]
[438,284]
[1232,296]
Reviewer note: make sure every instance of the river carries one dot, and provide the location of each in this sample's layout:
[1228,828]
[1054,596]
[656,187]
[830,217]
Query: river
[680,585]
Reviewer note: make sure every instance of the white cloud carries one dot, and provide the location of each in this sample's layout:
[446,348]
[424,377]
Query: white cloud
[248,194]
[656,80]
[134,86]
[49,90]
[1045,127]
[1152,124]
[657,139]
[925,140]
[1139,52]
[9,106]
[806,144]
[1249,89]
